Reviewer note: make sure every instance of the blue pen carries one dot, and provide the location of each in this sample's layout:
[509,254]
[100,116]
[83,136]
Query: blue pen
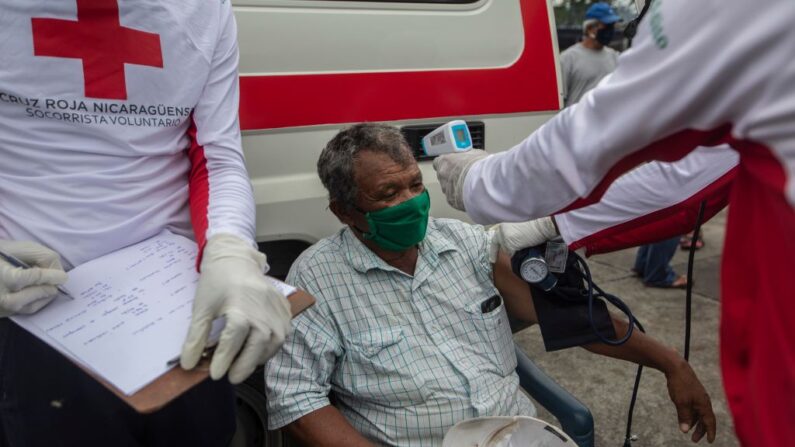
[23,265]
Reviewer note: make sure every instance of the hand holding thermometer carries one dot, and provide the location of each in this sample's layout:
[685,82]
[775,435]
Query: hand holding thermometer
[451,137]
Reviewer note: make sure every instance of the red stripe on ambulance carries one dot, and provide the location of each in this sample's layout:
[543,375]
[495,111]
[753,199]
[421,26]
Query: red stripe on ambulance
[529,85]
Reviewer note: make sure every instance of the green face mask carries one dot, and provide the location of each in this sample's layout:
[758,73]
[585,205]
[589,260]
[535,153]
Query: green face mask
[399,227]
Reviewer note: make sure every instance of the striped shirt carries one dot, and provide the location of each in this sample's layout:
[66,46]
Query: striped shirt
[405,356]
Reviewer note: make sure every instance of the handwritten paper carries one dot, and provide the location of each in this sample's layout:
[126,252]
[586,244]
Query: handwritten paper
[130,313]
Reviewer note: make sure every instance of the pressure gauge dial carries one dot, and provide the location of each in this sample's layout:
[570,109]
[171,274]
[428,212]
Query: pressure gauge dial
[534,270]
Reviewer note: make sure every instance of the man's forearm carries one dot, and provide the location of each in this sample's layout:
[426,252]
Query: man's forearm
[326,427]
[640,349]
[693,405]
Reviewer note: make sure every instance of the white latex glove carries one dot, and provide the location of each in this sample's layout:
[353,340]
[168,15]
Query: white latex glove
[232,284]
[26,291]
[452,169]
[512,237]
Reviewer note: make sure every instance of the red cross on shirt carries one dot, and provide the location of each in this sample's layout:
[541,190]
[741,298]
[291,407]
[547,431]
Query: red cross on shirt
[103,45]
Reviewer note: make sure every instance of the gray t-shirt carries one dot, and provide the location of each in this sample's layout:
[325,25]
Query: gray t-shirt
[583,68]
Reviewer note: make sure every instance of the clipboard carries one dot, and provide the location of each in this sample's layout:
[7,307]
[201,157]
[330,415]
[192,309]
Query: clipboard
[174,383]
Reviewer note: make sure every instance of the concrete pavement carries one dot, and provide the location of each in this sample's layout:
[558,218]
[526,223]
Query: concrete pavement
[605,385]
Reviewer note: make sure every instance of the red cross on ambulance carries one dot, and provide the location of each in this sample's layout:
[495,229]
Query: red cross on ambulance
[103,45]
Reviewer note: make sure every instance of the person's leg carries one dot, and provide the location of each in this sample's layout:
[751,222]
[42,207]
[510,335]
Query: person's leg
[641,258]
[45,400]
[4,440]
[658,271]
[202,417]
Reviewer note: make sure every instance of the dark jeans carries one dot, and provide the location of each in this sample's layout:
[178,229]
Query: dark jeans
[653,261]
[45,400]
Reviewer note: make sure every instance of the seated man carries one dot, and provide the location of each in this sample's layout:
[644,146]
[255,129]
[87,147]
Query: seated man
[410,331]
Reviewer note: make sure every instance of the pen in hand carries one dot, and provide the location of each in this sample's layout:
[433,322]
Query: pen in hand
[208,351]
[23,265]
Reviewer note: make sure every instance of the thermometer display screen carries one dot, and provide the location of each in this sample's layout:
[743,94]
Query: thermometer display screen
[459,135]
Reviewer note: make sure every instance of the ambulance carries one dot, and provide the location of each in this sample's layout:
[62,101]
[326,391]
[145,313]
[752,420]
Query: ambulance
[310,67]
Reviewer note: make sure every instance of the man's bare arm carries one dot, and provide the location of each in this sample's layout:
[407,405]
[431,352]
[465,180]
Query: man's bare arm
[516,294]
[326,427]
[692,402]
[693,405]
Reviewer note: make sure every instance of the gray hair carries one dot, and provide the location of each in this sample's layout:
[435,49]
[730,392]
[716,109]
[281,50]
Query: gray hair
[587,24]
[335,165]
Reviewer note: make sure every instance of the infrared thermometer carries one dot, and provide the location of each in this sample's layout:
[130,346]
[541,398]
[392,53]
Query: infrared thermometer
[451,137]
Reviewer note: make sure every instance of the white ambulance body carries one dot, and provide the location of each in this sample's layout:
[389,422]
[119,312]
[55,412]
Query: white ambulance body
[310,67]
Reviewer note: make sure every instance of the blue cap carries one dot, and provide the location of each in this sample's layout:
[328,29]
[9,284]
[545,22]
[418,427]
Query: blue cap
[602,12]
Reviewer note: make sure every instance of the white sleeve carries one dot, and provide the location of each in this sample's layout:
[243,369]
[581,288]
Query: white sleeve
[652,202]
[221,197]
[653,107]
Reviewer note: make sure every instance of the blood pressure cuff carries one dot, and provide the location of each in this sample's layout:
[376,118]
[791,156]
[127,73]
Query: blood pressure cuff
[563,311]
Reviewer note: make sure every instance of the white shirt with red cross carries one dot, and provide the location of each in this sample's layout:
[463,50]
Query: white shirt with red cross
[118,118]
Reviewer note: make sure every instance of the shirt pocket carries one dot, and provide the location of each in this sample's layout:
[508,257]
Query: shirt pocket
[492,341]
[383,367]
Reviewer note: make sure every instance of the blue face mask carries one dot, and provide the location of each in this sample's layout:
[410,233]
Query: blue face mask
[605,35]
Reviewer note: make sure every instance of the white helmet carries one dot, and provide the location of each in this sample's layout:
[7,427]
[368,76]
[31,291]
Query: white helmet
[506,431]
